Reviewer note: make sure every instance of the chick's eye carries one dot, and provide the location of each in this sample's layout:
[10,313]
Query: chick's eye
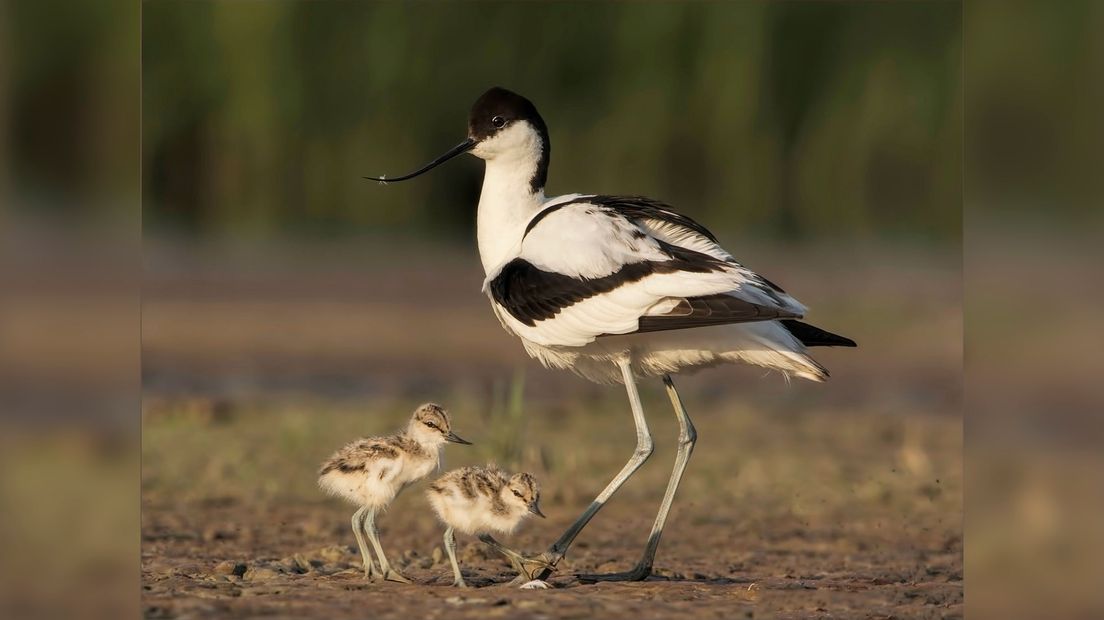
[431,425]
[499,122]
[518,495]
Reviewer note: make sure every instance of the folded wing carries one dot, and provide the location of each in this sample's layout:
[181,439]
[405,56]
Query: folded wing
[603,265]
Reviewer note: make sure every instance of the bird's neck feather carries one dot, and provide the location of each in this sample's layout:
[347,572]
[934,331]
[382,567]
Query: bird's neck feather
[506,203]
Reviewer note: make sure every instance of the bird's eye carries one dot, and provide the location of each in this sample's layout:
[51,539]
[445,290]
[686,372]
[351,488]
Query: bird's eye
[499,122]
[518,495]
[431,425]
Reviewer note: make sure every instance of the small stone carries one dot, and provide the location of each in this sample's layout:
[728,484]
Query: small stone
[438,555]
[333,553]
[297,564]
[460,600]
[212,533]
[230,567]
[423,563]
[186,570]
[262,573]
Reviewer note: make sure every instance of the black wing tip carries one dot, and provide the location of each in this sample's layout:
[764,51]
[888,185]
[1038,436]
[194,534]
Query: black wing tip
[812,336]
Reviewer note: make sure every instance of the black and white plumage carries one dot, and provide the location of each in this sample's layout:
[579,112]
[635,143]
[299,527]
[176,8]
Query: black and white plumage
[595,277]
[617,288]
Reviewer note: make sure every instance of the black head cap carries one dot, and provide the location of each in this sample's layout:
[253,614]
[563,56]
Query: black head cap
[498,109]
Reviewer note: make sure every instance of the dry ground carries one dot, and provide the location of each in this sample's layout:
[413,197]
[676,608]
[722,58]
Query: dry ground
[802,501]
[820,514]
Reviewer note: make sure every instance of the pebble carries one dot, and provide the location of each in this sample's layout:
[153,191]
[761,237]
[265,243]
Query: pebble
[297,564]
[262,573]
[213,533]
[459,600]
[333,553]
[230,567]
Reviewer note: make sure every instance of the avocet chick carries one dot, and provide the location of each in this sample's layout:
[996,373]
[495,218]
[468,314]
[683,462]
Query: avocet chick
[370,472]
[481,500]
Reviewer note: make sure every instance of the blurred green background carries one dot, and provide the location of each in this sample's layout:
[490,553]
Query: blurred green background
[831,122]
[792,118]
[788,119]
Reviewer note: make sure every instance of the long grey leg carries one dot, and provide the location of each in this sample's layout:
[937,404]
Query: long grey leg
[358,524]
[517,560]
[389,573]
[644,448]
[687,438]
[450,546]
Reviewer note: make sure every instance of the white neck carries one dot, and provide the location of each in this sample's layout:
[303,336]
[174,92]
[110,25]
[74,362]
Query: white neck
[505,205]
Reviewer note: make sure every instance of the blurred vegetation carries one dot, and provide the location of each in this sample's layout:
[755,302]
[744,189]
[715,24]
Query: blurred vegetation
[802,462]
[791,118]
[506,418]
[1034,127]
[69,96]
[795,119]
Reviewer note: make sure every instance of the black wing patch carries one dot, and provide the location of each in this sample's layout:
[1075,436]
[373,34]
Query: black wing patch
[531,294]
[640,207]
[634,208]
[711,310]
[812,336]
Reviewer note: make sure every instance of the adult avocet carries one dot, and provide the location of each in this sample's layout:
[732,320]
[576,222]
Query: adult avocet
[617,288]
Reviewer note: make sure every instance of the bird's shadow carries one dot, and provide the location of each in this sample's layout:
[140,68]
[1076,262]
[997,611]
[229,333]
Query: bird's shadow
[708,580]
[477,580]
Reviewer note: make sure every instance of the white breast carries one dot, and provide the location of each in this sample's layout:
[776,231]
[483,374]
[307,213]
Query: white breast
[471,516]
[378,485]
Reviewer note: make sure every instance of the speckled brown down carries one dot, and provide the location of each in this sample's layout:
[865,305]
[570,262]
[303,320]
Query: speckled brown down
[481,500]
[371,472]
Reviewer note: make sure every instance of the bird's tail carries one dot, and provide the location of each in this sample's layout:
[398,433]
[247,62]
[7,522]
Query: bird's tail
[777,346]
[812,336]
[763,343]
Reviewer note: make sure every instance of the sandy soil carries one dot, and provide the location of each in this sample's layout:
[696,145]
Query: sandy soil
[801,501]
[718,571]
[822,516]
